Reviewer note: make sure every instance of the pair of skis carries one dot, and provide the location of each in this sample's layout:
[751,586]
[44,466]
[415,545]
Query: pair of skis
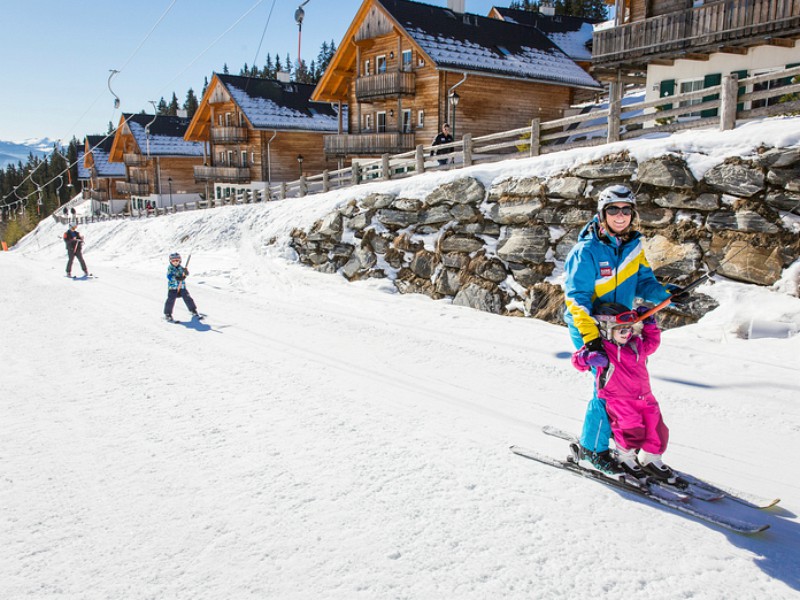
[679,497]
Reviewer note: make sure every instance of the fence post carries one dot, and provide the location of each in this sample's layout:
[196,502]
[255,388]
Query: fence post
[326,182]
[727,103]
[303,186]
[536,135]
[420,156]
[387,174]
[355,174]
[283,190]
[614,104]
[467,149]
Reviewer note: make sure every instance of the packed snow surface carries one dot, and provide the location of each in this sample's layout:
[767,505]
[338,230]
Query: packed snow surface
[313,438]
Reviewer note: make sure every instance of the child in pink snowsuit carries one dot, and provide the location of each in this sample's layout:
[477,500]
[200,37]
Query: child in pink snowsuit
[623,382]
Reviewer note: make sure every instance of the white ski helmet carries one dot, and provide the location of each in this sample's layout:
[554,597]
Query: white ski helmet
[615,193]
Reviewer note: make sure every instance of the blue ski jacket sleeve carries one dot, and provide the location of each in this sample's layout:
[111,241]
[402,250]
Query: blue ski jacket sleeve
[605,270]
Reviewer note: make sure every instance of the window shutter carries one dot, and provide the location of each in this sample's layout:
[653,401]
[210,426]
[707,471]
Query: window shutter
[708,81]
[667,89]
[742,89]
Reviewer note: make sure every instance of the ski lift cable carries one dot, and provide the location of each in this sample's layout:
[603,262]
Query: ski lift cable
[214,43]
[261,41]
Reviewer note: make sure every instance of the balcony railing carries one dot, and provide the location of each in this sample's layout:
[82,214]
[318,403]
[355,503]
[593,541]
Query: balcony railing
[368,144]
[226,135]
[222,174]
[135,189]
[386,85]
[697,30]
[133,160]
[100,195]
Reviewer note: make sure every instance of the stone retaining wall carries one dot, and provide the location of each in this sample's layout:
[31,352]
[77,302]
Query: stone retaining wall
[496,250]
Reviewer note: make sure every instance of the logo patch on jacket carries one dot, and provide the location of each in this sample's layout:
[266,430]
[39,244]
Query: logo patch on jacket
[606,270]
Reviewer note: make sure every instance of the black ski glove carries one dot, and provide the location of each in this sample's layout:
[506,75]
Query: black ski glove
[677,295]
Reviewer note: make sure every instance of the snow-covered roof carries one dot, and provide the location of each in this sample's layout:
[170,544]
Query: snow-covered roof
[475,43]
[83,172]
[100,147]
[572,34]
[165,137]
[271,104]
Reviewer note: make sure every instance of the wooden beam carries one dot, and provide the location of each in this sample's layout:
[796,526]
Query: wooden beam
[781,42]
[695,56]
[733,50]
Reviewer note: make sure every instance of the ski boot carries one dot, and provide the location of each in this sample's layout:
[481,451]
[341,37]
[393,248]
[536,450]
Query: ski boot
[627,460]
[653,465]
[169,319]
[599,461]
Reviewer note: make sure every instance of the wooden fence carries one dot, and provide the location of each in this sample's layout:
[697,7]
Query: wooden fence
[726,102]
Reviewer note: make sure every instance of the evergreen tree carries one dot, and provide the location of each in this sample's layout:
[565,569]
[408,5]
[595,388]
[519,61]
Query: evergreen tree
[172,109]
[269,68]
[110,127]
[225,69]
[205,86]
[161,107]
[191,103]
[288,64]
[278,65]
[244,71]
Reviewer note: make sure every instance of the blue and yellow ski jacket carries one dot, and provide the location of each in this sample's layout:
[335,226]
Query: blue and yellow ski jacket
[176,276]
[602,268]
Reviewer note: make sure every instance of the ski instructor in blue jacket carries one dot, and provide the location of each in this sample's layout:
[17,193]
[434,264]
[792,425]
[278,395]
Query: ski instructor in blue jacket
[607,264]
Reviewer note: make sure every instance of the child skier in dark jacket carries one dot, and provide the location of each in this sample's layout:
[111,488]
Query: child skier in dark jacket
[176,286]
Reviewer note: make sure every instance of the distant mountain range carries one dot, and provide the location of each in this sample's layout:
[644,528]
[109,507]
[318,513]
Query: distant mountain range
[14,152]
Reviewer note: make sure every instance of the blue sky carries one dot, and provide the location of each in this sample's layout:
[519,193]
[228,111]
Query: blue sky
[56,55]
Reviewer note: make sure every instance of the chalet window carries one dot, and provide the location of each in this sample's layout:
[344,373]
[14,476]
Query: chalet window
[407,120]
[381,122]
[241,120]
[692,85]
[380,64]
[221,122]
[420,119]
[244,158]
[228,119]
[230,158]
[406,60]
[367,68]
[367,122]
[767,85]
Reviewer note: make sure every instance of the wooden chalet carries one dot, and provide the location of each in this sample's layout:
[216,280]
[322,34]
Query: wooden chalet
[99,176]
[401,64]
[688,45]
[159,162]
[255,132]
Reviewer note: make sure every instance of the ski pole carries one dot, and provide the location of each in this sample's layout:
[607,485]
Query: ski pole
[687,288]
[180,283]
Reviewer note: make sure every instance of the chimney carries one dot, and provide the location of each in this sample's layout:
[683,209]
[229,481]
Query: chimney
[283,76]
[457,6]
[548,9]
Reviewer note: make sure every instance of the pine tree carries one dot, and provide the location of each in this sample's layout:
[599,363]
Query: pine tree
[288,64]
[225,69]
[161,107]
[244,71]
[191,103]
[205,86]
[278,65]
[172,109]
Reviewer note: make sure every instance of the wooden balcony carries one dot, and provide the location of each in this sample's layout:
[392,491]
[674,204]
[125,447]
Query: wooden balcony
[368,144]
[698,30]
[133,189]
[134,160]
[222,174]
[100,195]
[386,85]
[228,135]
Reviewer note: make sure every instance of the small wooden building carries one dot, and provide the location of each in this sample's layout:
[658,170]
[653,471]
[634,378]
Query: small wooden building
[688,45]
[99,176]
[159,162]
[257,132]
[404,68]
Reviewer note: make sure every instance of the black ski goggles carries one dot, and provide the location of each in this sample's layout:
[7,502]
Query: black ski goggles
[615,210]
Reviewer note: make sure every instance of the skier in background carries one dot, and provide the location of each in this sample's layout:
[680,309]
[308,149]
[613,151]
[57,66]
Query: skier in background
[443,137]
[74,242]
[623,383]
[176,286]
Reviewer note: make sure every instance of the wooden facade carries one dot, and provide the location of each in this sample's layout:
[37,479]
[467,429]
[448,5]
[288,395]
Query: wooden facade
[149,171]
[398,96]
[237,152]
[673,29]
